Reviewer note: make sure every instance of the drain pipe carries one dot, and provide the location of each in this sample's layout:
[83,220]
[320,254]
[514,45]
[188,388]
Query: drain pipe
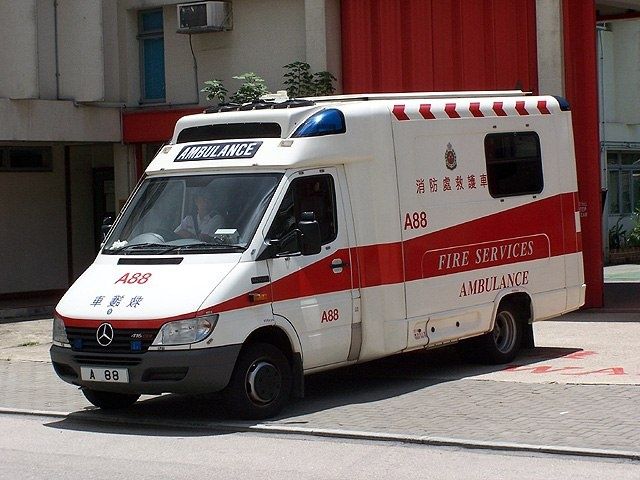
[55,43]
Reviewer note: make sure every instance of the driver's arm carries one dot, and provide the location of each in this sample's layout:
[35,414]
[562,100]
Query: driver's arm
[183,229]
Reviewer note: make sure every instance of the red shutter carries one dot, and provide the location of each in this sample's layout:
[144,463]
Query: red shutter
[432,45]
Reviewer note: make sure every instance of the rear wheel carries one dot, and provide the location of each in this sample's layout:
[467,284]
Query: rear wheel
[260,384]
[110,400]
[501,344]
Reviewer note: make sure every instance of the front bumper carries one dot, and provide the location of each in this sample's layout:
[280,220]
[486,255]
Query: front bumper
[171,371]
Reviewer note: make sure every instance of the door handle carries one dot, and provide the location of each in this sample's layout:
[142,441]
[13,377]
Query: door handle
[338,263]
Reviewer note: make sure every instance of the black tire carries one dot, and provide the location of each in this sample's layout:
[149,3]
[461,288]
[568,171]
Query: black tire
[110,400]
[260,384]
[501,345]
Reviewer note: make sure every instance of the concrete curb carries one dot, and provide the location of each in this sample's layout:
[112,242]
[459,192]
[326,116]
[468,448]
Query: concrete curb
[34,413]
[336,433]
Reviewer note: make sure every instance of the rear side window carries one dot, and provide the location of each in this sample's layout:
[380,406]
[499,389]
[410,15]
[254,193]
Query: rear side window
[514,164]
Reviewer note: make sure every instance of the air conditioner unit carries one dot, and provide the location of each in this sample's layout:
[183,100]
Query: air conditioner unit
[200,17]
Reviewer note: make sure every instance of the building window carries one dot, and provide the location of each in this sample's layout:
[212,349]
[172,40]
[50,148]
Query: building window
[624,182]
[151,38]
[26,159]
[514,164]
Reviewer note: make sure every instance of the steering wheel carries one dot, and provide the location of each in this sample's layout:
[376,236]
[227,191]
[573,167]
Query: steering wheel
[167,235]
[148,237]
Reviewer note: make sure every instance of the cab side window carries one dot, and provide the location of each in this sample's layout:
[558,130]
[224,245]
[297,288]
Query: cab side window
[315,194]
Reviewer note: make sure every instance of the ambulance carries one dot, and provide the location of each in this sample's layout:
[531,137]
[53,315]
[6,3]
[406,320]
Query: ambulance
[272,240]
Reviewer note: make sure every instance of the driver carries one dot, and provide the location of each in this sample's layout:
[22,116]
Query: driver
[204,223]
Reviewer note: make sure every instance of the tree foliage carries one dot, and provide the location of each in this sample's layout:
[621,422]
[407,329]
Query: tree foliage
[298,80]
[252,88]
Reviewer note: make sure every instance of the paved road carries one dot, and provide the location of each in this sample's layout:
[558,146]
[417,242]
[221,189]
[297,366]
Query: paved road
[579,390]
[40,447]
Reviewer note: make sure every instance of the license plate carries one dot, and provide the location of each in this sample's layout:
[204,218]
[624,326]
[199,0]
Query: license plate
[100,374]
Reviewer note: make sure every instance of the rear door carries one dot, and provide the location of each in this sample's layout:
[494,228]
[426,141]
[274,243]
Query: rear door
[314,292]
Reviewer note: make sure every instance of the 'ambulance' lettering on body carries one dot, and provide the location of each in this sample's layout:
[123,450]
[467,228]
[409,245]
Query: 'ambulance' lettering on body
[493,283]
[218,151]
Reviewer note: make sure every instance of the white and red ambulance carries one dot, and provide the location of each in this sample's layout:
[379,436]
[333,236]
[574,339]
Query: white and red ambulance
[281,238]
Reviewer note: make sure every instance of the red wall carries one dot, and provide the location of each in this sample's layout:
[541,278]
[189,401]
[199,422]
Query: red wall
[437,45]
[434,45]
[581,89]
[151,126]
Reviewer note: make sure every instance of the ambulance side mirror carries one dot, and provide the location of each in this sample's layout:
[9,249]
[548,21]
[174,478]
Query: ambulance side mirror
[310,238]
[107,223]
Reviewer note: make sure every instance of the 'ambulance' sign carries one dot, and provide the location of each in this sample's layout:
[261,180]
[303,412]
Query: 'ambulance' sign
[218,151]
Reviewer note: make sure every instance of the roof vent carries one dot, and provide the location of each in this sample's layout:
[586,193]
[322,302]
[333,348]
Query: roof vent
[202,17]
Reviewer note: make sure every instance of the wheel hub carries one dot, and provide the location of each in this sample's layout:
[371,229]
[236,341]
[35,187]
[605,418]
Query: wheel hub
[263,382]
[504,332]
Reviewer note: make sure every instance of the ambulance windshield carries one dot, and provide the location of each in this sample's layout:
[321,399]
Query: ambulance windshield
[193,214]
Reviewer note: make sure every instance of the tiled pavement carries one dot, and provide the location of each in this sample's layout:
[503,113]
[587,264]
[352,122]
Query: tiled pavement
[398,397]
[426,397]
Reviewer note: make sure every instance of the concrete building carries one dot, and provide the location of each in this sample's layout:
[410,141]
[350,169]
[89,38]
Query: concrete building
[619,81]
[90,89]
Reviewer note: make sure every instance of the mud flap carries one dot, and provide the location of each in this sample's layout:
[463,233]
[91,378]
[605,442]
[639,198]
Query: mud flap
[527,337]
[297,388]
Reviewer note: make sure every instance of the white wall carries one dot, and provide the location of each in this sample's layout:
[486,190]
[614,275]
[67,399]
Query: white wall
[18,51]
[33,232]
[266,36]
[46,32]
[550,47]
[620,77]
[57,121]
[80,52]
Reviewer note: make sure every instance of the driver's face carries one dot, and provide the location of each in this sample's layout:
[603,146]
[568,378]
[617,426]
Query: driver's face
[202,203]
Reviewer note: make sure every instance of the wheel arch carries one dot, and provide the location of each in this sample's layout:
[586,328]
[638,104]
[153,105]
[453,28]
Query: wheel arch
[279,338]
[521,302]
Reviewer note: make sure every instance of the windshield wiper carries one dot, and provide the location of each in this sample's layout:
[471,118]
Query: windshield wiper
[138,247]
[203,247]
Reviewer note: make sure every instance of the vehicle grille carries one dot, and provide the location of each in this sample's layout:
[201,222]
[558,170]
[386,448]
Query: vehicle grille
[115,361]
[124,341]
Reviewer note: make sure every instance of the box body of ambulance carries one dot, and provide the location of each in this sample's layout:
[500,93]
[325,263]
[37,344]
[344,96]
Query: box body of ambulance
[275,240]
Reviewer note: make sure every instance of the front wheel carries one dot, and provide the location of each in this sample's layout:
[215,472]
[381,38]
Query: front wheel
[260,384]
[110,400]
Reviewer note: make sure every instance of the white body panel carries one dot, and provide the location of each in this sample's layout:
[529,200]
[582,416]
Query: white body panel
[423,264]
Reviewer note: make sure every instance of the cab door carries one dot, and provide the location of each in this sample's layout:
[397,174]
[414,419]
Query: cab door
[314,292]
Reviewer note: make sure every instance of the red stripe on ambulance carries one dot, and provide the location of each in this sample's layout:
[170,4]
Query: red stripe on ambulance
[450,110]
[530,232]
[398,111]
[498,109]
[474,108]
[520,108]
[425,111]
[542,107]
[456,110]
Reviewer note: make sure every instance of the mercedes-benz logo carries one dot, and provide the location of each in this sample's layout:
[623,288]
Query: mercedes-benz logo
[105,334]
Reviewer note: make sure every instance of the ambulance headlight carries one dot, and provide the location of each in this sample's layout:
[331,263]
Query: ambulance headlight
[59,332]
[184,332]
